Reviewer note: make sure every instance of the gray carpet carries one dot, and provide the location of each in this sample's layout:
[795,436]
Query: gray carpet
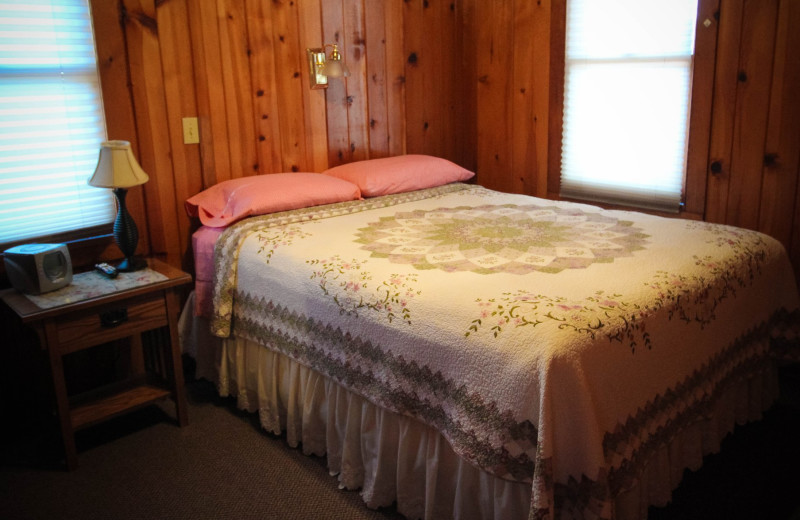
[223,466]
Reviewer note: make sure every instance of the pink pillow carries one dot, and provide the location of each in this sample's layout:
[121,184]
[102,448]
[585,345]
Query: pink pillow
[229,201]
[399,174]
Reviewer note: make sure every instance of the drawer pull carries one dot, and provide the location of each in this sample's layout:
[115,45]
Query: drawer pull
[114,318]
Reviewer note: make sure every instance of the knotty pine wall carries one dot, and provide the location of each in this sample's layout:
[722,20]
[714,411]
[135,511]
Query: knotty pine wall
[474,81]
[240,67]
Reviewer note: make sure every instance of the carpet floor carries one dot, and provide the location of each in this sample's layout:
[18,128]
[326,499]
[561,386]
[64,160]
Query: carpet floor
[224,466]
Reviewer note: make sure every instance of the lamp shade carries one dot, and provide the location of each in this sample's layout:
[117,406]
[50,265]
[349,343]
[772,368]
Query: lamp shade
[117,167]
[334,68]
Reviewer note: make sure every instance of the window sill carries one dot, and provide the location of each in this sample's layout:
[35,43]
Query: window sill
[681,214]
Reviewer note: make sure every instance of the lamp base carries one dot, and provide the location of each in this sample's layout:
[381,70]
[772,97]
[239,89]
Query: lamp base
[130,264]
[126,235]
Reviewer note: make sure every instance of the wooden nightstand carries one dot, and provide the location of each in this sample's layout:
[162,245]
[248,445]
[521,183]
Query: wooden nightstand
[132,304]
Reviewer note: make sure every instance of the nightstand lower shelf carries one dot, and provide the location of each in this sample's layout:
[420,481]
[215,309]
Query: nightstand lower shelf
[105,408]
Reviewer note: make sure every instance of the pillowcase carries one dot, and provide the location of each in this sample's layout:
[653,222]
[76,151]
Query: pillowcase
[399,174]
[232,200]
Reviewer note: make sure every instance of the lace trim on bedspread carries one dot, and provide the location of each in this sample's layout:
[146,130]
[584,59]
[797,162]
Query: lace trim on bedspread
[627,450]
[633,444]
[512,461]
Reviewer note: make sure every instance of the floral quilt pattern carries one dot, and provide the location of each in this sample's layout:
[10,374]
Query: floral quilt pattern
[687,297]
[505,238]
[350,286]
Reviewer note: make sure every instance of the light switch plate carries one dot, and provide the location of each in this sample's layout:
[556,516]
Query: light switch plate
[191,134]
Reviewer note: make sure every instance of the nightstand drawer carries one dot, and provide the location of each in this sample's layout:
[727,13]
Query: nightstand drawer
[123,318]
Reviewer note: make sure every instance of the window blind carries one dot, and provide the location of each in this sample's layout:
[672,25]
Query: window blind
[626,101]
[51,120]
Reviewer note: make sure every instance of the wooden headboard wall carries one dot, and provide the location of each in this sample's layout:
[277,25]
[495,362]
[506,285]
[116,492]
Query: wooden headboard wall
[240,67]
[474,81]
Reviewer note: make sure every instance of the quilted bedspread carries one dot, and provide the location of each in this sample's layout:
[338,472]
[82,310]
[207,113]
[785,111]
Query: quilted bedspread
[550,342]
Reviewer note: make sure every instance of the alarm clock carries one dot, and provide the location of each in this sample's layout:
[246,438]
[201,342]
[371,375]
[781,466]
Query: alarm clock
[38,268]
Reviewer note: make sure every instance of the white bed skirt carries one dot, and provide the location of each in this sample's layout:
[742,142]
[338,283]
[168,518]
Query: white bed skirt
[397,459]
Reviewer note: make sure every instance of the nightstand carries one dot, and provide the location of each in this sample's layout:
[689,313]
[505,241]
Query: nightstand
[140,308]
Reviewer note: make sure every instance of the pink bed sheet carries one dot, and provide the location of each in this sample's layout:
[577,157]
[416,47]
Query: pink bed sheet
[203,241]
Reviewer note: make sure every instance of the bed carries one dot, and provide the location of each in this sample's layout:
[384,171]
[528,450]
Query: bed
[466,353]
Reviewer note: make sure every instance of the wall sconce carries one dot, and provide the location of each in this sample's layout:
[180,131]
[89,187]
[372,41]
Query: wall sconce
[322,67]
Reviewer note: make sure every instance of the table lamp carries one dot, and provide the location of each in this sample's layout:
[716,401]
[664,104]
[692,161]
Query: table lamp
[117,169]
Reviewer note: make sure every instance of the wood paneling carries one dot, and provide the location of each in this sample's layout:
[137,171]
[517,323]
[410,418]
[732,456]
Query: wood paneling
[495,100]
[787,140]
[310,27]
[395,78]
[180,99]
[556,73]
[263,85]
[356,101]
[754,77]
[539,95]
[755,132]
[782,149]
[440,75]
[697,162]
[722,119]
[377,92]
[152,130]
[236,82]
[513,57]
[336,94]
[414,58]
[209,89]
[477,82]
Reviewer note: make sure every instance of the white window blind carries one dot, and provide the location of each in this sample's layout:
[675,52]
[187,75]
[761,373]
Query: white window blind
[626,101]
[51,120]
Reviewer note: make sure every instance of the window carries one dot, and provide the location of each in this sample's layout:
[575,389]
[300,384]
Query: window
[51,120]
[627,89]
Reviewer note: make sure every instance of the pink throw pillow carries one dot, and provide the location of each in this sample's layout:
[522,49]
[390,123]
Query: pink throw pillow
[399,174]
[229,201]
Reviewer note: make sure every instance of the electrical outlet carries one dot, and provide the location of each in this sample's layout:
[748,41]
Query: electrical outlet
[191,134]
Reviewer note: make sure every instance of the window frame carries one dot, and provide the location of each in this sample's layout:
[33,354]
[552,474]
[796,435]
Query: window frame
[700,106]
